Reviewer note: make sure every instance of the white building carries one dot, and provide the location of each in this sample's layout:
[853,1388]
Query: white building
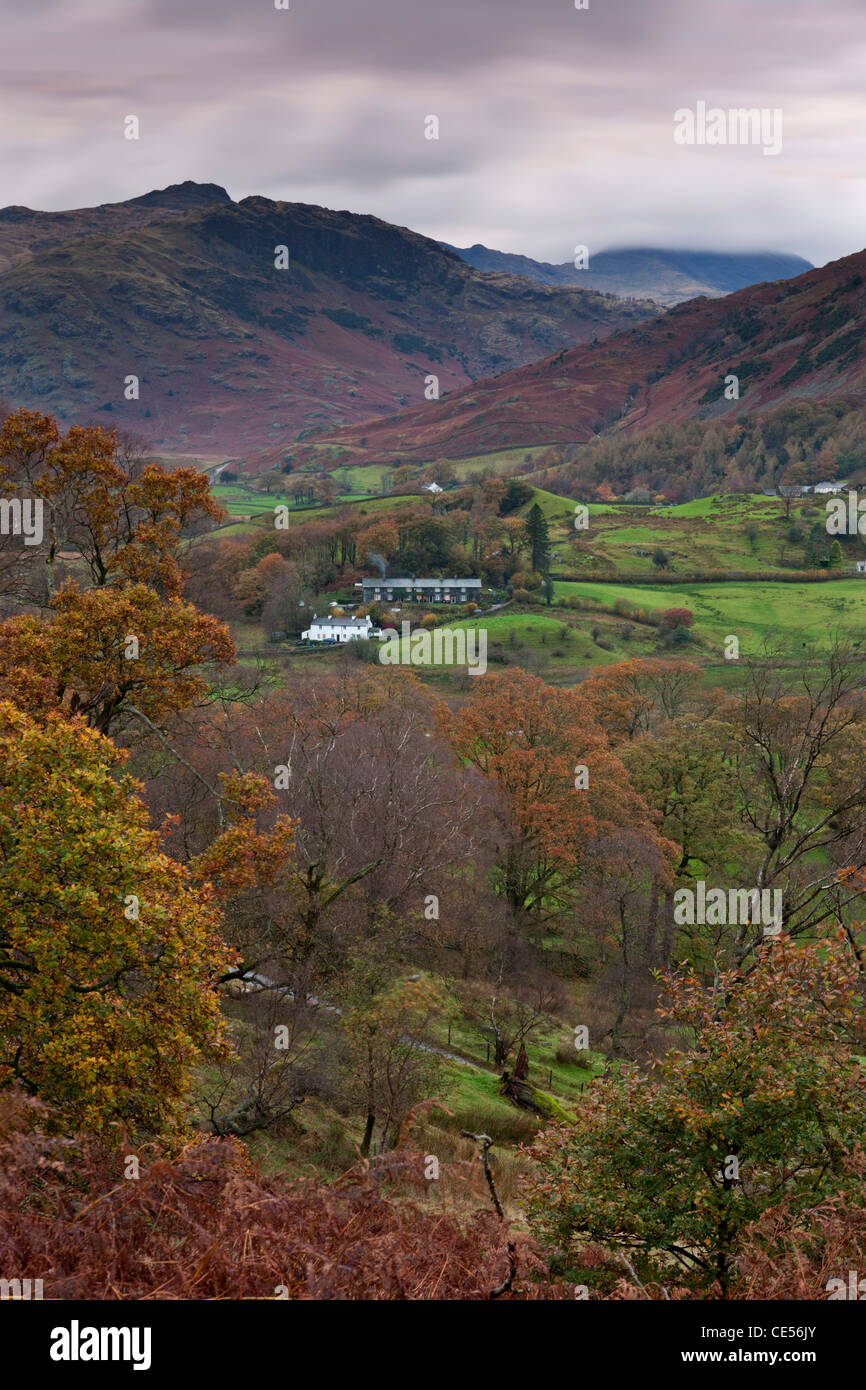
[432,487]
[822,488]
[861,566]
[339,630]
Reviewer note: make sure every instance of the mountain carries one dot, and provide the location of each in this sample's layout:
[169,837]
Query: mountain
[797,339]
[669,277]
[25,234]
[180,289]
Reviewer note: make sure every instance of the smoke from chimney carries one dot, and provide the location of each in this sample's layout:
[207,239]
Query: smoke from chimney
[379,562]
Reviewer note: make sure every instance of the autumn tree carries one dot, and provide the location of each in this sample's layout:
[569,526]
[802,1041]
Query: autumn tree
[125,643]
[282,1053]
[123,514]
[798,766]
[514,534]
[561,787]
[768,1104]
[633,697]
[108,950]
[677,617]
[107,652]
[390,1064]
[349,759]
[685,773]
[626,877]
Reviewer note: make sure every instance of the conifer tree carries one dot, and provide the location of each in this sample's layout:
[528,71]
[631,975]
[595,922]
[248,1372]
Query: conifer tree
[539,539]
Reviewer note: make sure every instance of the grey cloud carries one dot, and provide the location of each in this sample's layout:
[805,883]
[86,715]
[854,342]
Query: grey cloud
[556,123]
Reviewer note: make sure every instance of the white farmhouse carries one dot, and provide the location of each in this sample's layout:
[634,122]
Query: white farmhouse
[339,630]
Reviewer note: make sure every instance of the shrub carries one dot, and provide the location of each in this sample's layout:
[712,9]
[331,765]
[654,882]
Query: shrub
[208,1224]
[363,649]
[677,617]
[783,1038]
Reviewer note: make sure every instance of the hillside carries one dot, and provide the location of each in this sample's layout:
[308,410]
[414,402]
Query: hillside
[667,276]
[797,340]
[180,288]
[26,233]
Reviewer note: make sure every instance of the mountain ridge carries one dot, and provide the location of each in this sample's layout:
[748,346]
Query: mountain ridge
[665,274]
[783,342]
[180,288]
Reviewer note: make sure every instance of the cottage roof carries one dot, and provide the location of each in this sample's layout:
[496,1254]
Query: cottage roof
[340,622]
[406,583]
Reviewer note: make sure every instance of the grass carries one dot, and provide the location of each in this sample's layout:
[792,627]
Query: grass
[239,501]
[364,479]
[503,461]
[707,533]
[753,612]
[257,510]
[560,642]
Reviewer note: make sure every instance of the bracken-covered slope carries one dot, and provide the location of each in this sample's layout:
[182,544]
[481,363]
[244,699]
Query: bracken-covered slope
[180,289]
[796,339]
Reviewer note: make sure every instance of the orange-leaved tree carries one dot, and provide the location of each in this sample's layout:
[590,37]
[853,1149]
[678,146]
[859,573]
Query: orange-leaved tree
[563,789]
[105,651]
[117,637]
[124,516]
[635,696]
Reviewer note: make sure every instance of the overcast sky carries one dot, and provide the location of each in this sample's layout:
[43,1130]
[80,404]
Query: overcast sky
[555,124]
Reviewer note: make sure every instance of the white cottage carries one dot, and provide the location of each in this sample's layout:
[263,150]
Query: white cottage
[827,488]
[338,630]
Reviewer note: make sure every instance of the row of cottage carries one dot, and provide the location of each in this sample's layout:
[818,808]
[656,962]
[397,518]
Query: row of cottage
[387,591]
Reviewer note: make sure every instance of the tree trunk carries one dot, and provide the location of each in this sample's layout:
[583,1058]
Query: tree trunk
[368,1134]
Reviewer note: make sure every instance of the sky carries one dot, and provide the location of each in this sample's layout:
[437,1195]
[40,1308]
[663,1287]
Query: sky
[555,125]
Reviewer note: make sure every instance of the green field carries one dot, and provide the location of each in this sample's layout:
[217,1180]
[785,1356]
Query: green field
[259,506]
[744,532]
[560,644]
[754,612]
[363,480]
